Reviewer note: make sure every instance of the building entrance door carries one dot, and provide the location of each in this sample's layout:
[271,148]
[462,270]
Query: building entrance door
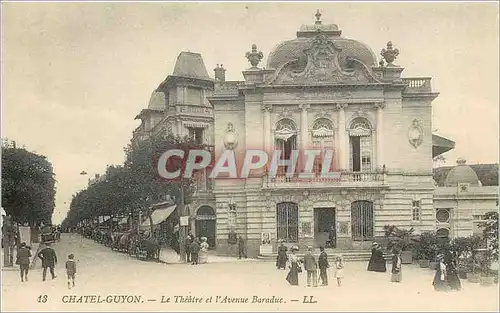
[325,232]
[206,223]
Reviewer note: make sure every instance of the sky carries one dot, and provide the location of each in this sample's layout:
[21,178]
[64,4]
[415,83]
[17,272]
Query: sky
[74,75]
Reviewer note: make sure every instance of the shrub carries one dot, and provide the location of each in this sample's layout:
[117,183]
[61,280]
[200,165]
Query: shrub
[402,239]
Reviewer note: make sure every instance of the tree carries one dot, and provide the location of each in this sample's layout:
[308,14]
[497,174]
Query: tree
[136,185]
[490,232]
[28,185]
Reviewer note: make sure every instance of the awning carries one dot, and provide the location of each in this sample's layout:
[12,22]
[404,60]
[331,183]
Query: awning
[159,215]
[124,220]
[284,134]
[322,132]
[441,145]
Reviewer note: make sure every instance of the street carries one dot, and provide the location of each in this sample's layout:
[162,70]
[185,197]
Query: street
[103,273]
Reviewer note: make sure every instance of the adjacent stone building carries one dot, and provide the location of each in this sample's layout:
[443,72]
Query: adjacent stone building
[323,91]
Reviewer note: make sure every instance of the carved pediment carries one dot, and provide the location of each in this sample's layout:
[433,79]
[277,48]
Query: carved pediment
[320,64]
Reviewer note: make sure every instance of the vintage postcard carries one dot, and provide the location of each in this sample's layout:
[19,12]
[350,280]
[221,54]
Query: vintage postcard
[250,156]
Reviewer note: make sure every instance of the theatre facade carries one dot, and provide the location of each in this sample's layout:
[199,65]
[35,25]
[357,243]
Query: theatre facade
[321,91]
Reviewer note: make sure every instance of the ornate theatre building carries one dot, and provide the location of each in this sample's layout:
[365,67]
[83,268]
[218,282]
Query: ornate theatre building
[324,91]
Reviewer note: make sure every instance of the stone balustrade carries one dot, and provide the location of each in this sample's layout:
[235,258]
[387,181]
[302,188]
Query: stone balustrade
[417,84]
[345,179]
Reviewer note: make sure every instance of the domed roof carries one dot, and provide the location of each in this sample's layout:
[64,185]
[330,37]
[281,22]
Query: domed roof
[462,173]
[294,49]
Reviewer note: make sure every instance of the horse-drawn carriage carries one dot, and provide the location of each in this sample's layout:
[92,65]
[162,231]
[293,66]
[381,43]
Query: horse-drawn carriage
[137,245]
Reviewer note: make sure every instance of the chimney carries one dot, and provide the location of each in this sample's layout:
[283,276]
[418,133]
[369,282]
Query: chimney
[220,73]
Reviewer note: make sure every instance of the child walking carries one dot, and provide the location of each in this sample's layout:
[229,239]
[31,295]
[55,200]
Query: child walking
[71,270]
[339,269]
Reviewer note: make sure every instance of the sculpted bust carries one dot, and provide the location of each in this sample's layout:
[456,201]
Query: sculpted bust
[230,139]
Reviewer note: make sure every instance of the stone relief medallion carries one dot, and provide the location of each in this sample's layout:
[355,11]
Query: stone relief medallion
[343,228]
[230,139]
[415,134]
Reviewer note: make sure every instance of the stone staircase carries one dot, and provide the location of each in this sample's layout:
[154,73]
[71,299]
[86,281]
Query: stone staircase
[348,255]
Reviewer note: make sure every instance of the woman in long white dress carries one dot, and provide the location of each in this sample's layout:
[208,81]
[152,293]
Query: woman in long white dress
[203,256]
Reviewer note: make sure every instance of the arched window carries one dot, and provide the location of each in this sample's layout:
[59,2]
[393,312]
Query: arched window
[322,128]
[360,139]
[287,221]
[285,136]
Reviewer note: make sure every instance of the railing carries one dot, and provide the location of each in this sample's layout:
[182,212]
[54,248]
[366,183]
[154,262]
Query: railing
[417,84]
[229,88]
[343,179]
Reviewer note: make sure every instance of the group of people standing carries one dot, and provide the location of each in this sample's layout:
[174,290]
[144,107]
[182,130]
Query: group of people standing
[445,279]
[196,250]
[311,266]
[48,257]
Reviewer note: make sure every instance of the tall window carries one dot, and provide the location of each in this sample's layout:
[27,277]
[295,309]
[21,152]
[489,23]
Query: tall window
[360,136]
[362,220]
[287,221]
[416,210]
[322,133]
[196,134]
[285,140]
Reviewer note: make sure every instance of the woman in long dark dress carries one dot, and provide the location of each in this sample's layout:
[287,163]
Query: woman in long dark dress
[282,257]
[295,269]
[452,279]
[439,281]
[377,262]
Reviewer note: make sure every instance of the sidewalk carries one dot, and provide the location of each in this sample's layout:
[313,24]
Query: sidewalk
[169,256]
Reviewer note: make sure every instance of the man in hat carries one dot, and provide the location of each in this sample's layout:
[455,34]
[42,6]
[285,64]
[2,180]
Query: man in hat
[323,266]
[282,257]
[23,260]
[311,266]
[49,260]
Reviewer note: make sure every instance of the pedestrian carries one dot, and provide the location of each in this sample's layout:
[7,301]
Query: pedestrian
[195,250]
[323,266]
[452,279]
[49,260]
[311,268]
[241,248]
[377,262]
[23,260]
[187,245]
[397,275]
[339,269]
[282,257]
[203,255]
[439,281]
[295,267]
[71,270]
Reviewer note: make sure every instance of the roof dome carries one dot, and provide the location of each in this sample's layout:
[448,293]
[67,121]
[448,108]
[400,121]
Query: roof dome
[294,49]
[460,174]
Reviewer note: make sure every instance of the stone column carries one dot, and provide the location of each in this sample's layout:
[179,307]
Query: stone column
[266,109]
[380,135]
[304,138]
[179,128]
[342,148]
